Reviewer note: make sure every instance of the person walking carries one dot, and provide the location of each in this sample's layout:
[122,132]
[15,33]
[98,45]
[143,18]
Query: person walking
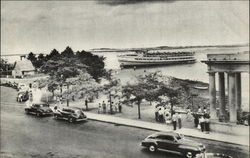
[161,113]
[120,107]
[196,120]
[174,120]
[99,108]
[207,121]
[104,107]
[179,120]
[202,122]
[86,104]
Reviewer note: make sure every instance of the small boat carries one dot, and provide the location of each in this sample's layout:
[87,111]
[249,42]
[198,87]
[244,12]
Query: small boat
[147,58]
[201,88]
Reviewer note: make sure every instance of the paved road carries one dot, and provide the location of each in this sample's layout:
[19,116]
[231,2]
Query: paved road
[28,136]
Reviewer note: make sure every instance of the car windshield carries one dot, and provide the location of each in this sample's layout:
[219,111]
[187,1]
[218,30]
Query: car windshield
[179,136]
[45,105]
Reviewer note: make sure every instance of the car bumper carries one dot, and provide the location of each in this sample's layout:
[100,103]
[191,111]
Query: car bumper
[47,113]
[201,155]
[82,119]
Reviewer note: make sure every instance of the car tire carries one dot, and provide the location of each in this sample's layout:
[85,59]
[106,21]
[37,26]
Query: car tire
[55,117]
[38,114]
[152,148]
[189,155]
[71,120]
[26,111]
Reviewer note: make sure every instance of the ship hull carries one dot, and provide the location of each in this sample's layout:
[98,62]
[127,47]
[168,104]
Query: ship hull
[131,63]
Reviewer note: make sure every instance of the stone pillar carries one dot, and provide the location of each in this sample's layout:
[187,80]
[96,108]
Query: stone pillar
[238,90]
[232,98]
[222,94]
[227,84]
[212,95]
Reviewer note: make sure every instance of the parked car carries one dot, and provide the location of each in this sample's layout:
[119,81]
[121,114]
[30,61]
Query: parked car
[72,114]
[39,109]
[175,143]
[245,119]
[22,96]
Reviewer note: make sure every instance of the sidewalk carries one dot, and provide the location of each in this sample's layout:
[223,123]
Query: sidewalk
[241,140]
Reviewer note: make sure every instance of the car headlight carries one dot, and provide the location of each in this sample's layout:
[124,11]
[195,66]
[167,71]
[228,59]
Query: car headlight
[200,155]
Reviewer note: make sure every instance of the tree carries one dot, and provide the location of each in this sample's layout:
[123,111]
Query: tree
[63,68]
[40,60]
[32,58]
[6,68]
[54,54]
[95,64]
[68,52]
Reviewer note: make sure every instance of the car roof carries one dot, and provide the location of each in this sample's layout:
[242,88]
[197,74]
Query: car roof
[165,133]
[71,108]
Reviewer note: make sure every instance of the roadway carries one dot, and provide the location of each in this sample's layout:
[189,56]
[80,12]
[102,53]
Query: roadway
[24,136]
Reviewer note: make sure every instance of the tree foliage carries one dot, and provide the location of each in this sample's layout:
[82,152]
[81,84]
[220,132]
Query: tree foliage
[150,87]
[5,67]
[68,63]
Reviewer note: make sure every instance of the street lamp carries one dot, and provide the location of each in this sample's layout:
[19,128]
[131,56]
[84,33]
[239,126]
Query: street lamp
[111,111]
[193,95]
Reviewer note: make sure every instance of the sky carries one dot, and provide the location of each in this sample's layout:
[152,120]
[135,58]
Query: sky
[40,26]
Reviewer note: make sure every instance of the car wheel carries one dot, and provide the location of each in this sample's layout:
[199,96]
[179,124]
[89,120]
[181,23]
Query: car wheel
[152,148]
[71,120]
[38,114]
[26,111]
[55,117]
[189,155]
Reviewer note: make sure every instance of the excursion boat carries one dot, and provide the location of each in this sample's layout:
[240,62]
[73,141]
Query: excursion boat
[147,58]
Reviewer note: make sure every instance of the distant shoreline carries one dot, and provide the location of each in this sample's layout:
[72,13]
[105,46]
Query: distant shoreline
[96,50]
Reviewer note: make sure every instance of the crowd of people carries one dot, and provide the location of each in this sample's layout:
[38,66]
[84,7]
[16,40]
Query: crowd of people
[163,114]
[113,108]
[202,120]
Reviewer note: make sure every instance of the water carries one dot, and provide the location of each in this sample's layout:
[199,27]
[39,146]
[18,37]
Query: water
[196,71]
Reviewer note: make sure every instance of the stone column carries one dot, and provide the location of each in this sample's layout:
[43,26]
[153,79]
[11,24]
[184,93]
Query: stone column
[232,98]
[238,90]
[212,95]
[222,94]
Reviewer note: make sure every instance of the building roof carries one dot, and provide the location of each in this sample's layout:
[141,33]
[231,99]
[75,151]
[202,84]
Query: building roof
[25,65]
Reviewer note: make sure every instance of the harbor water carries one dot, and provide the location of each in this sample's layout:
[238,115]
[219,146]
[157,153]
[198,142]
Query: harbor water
[196,71]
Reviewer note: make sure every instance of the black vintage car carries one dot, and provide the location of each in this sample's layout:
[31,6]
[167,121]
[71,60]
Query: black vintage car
[71,114]
[174,143]
[22,96]
[39,109]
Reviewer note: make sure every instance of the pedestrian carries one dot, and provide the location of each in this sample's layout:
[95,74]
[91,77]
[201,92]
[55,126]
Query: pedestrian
[174,120]
[156,114]
[196,120]
[204,110]
[86,104]
[188,114]
[161,113]
[120,107]
[99,108]
[104,107]
[199,110]
[167,117]
[207,121]
[179,120]
[202,122]
[116,108]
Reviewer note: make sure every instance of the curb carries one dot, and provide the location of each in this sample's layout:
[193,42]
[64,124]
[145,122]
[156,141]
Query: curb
[120,124]
[170,130]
